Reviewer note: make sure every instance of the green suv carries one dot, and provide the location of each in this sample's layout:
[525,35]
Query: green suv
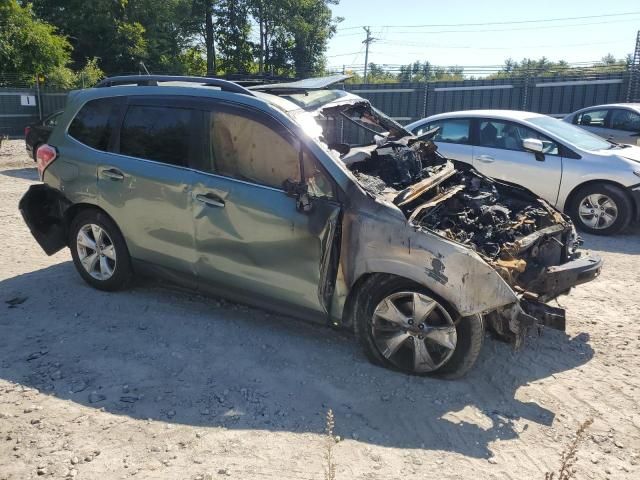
[241,193]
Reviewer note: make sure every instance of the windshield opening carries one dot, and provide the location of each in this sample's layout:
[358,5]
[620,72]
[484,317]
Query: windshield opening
[570,133]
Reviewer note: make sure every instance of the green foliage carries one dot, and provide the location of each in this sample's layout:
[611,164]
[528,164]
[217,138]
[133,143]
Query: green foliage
[543,67]
[193,62]
[29,46]
[167,35]
[232,29]
[311,25]
[106,29]
[89,75]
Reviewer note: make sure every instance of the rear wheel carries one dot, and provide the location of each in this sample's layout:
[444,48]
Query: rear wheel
[99,251]
[601,209]
[401,325]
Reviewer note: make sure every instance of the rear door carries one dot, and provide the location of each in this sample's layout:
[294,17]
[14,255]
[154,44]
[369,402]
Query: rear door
[498,153]
[453,138]
[250,236]
[144,185]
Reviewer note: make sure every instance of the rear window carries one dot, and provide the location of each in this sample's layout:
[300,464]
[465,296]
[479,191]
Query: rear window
[157,133]
[91,125]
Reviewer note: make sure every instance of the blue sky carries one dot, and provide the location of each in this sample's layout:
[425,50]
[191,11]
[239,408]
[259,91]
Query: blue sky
[393,23]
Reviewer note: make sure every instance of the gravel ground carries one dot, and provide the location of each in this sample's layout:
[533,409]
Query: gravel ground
[158,383]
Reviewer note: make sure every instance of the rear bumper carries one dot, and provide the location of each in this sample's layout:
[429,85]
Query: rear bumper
[42,209]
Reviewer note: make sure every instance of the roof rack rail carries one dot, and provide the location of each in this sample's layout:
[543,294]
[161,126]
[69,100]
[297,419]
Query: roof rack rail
[154,80]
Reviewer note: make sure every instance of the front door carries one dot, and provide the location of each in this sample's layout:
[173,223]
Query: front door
[250,236]
[625,126]
[145,187]
[499,154]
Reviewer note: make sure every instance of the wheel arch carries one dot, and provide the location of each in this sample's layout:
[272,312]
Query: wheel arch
[359,287]
[75,209]
[572,195]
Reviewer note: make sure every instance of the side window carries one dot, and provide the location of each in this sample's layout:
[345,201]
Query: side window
[591,118]
[92,125]
[627,120]
[247,149]
[451,131]
[509,136]
[157,133]
[318,182]
[52,121]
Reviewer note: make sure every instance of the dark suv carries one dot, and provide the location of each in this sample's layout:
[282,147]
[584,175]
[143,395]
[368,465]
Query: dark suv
[238,192]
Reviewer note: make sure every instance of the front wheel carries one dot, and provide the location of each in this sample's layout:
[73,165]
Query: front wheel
[601,209]
[403,326]
[99,251]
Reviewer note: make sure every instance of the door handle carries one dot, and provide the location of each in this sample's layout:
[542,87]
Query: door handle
[113,174]
[210,200]
[485,158]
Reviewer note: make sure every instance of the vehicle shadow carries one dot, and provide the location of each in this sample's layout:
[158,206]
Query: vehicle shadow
[28,173]
[627,242]
[160,353]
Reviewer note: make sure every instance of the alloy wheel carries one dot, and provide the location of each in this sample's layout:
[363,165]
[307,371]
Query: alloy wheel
[96,251]
[598,211]
[414,332]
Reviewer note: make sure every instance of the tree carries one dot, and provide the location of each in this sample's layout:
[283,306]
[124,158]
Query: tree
[100,28]
[232,30]
[29,46]
[311,25]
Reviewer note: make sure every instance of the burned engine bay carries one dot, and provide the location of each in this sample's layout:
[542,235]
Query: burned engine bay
[517,233]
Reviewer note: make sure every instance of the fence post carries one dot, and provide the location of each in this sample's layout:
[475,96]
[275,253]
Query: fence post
[426,95]
[38,96]
[633,89]
[525,90]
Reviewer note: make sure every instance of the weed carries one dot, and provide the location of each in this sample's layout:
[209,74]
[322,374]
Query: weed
[330,467]
[570,455]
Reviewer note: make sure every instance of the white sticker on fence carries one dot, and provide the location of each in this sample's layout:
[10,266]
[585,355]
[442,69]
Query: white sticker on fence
[28,100]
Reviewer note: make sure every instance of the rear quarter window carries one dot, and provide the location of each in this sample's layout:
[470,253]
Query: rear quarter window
[92,125]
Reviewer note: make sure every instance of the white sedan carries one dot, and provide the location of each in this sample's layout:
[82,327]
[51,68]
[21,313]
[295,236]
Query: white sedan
[595,181]
[619,122]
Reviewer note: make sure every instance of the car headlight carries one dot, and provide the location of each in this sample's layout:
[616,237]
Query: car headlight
[636,172]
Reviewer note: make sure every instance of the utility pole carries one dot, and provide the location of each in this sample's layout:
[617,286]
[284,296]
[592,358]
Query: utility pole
[366,42]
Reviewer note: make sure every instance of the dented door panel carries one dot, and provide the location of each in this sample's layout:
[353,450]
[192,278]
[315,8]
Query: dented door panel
[260,243]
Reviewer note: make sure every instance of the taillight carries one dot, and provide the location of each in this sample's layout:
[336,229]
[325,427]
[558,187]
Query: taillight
[45,155]
[26,131]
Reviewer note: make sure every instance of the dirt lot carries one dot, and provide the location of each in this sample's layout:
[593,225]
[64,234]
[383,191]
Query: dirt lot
[158,383]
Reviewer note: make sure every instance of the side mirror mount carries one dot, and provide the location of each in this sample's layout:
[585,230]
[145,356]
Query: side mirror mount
[535,146]
[299,191]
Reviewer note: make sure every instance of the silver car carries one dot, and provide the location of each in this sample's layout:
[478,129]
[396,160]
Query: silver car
[594,181]
[619,122]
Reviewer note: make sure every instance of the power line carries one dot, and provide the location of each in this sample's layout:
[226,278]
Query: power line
[514,22]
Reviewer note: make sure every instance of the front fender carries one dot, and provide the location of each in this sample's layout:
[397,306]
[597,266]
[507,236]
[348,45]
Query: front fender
[452,271]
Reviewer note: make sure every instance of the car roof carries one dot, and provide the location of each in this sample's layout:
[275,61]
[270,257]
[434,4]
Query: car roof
[635,106]
[500,114]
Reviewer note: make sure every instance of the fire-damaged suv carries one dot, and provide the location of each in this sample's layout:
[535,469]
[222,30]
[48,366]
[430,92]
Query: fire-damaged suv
[241,193]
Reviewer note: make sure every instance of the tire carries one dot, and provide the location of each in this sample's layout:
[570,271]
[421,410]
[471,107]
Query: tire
[453,343]
[593,206]
[116,271]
